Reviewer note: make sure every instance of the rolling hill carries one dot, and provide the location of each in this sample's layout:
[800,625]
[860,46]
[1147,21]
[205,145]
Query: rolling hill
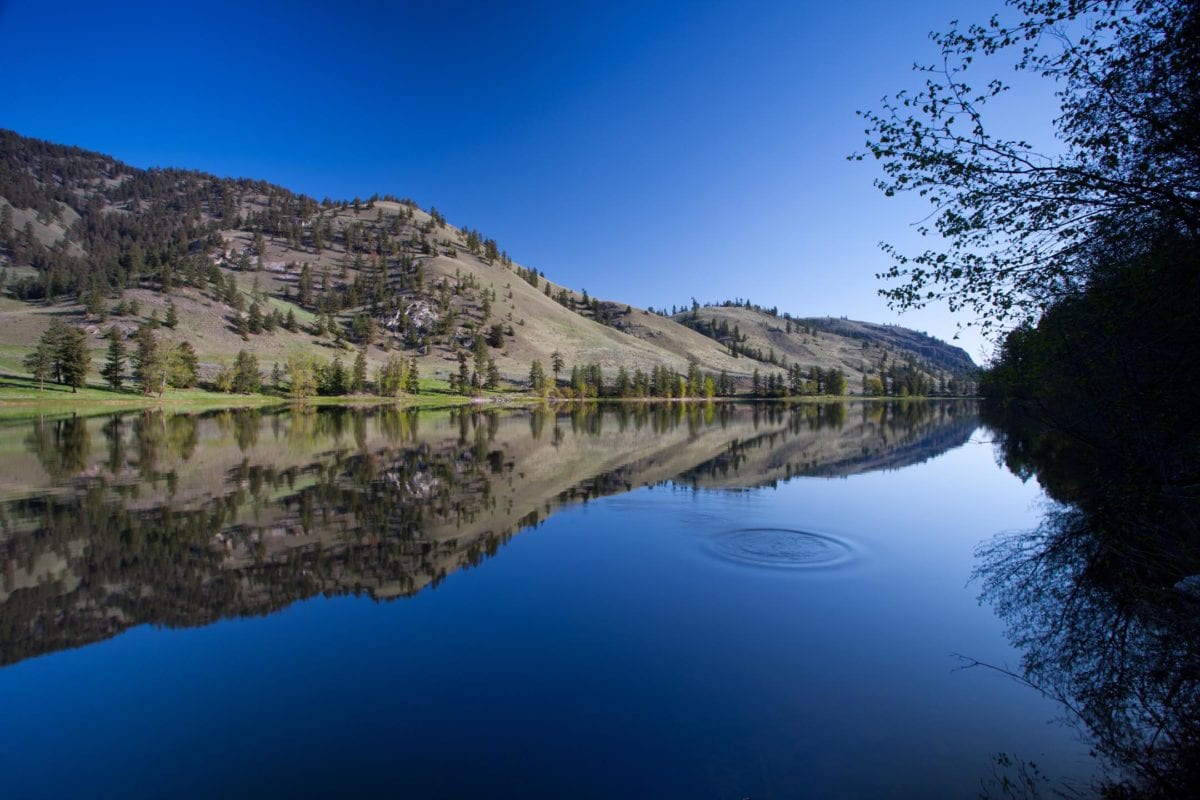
[249,265]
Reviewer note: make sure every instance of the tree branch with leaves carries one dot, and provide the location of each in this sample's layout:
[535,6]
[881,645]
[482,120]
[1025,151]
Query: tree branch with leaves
[1019,226]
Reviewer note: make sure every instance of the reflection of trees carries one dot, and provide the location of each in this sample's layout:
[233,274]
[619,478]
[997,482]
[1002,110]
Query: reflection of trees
[191,518]
[61,445]
[1099,601]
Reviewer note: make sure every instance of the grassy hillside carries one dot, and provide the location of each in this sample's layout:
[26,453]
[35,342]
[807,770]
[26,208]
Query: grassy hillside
[771,342]
[249,265]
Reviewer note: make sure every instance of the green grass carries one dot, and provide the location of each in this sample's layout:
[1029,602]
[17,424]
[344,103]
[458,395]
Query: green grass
[21,397]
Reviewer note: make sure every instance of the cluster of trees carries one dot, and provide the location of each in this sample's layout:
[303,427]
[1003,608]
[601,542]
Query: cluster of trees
[588,380]
[797,382]
[477,371]
[61,355]
[307,376]
[735,340]
[154,367]
[695,305]
[907,379]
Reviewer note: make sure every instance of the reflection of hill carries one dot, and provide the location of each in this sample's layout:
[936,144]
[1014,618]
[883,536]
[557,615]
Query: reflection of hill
[110,523]
[831,443]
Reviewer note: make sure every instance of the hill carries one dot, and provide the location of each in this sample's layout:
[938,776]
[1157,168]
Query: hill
[239,264]
[902,360]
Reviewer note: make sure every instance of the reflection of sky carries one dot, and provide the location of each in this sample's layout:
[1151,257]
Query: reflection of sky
[646,152]
[607,649]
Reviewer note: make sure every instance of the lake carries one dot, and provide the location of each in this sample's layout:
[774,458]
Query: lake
[700,601]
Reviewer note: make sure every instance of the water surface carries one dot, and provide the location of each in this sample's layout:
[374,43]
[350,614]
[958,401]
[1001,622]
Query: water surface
[674,601]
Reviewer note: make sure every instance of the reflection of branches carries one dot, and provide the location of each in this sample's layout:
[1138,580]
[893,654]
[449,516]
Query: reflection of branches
[968,662]
[1015,777]
[1104,633]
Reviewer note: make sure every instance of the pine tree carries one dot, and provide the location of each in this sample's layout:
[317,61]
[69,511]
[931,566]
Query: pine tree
[246,377]
[493,375]
[537,377]
[835,382]
[464,374]
[182,366]
[93,303]
[254,322]
[148,366]
[74,358]
[556,361]
[412,384]
[622,387]
[241,326]
[305,287]
[172,315]
[113,370]
[358,379]
[40,362]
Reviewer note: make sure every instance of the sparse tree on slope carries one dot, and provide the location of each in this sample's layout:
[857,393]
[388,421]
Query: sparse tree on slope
[113,370]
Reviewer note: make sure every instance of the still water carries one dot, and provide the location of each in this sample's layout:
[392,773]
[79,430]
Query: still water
[700,602]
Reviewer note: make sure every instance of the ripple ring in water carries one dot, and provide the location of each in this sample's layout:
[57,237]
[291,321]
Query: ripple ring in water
[781,547]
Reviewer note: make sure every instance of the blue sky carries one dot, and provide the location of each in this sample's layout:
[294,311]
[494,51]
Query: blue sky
[648,152]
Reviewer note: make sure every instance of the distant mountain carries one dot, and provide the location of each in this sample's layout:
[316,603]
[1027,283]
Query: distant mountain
[250,265]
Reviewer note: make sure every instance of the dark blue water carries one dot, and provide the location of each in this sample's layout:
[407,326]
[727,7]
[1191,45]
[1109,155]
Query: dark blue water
[692,638]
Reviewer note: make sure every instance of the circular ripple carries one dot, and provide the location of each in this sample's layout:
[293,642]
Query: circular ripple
[780,547]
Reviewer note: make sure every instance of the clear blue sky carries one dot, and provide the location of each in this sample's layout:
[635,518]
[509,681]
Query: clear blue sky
[647,152]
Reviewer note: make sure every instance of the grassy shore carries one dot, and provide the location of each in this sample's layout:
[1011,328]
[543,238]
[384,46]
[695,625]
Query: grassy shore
[22,397]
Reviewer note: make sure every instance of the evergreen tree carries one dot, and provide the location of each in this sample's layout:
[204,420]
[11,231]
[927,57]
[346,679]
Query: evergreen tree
[537,377]
[241,326]
[493,375]
[172,318]
[113,370]
[331,378]
[74,358]
[556,361]
[148,363]
[40,362]
[358,378]
[412,384]
[93,303]
[463,379]
[254,322]
[835,382]
[182,366]
[622,388]
[246,377]
[305,287]
[54,339]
